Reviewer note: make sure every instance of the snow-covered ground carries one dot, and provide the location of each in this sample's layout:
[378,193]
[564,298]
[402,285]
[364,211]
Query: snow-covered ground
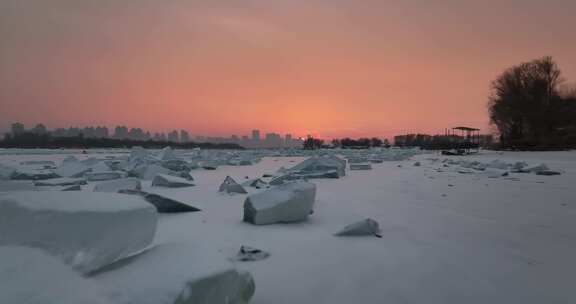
[447,237]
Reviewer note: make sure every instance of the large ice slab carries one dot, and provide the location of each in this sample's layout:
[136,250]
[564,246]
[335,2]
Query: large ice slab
[87,230]
[61,181]
[360,166]
[18,185]
[318,166]
[41,163]
[291,202]
[114,186]
[169,181]
[209,165]
[167,154]
[70,159]
[91,161]
[32,276]
[103,175]
[364,227]
[163,204]
[139,154]
[229,185]
[148,172]
[178,165]
[6,172]
[72,168]
[101,166]
[255,183]
[59,188]
[32,173]
[188,275]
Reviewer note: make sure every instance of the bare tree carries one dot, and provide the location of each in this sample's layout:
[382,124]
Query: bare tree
[525,101]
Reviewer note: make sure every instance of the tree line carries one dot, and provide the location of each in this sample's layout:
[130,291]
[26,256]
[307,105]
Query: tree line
[312,143]
[360,142]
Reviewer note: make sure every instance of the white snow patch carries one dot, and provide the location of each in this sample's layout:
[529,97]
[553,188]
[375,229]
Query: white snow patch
[31,276]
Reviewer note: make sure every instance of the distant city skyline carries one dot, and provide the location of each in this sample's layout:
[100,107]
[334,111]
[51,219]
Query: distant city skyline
[5,127]
[270,140]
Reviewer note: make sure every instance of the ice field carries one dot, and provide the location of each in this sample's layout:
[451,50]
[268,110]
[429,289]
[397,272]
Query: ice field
[497,227]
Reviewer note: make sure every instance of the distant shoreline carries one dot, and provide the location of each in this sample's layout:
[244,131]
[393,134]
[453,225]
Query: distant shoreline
[34,141]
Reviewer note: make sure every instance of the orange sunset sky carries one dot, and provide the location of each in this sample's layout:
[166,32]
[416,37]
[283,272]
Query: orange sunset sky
[330,68]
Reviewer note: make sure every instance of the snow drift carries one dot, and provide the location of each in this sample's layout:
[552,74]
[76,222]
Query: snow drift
[188,276]
[32,276]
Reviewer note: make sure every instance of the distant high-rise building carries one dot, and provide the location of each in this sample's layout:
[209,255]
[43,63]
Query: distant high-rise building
[173,136]
[102,132]
[184,136]
[256,135]
[288,140]
[245,141]
[17,129]
[136,134]
[272,140]
[89,132]
[121,132]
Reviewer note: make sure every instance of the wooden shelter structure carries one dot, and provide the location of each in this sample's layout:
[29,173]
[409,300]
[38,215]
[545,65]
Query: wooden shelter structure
[465,140]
